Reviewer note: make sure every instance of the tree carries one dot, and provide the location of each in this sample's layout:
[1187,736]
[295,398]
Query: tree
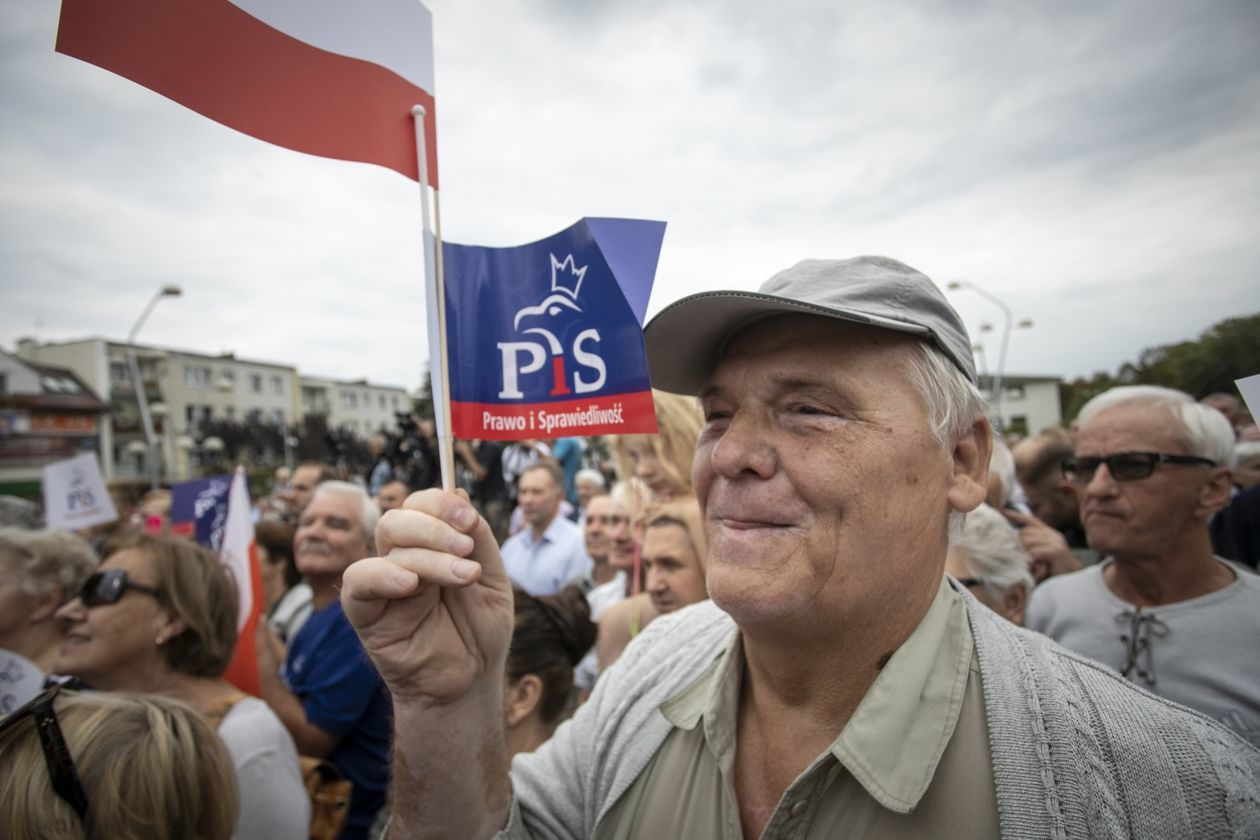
[1224,352]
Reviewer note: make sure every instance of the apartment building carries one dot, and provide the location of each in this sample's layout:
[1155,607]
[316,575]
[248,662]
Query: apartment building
[354,405]
[1029,403]
[184,389]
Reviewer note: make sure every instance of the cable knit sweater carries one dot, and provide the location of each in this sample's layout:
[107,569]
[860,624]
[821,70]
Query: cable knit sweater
[1077,750]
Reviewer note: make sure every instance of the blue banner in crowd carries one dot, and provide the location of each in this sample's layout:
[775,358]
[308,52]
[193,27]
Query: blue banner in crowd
[546,340]
[199,509]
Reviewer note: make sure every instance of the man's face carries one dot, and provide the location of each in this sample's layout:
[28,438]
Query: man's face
[1145,518]
[586,490]
[675,577]
[539,498]
[391,496]
[302,487]
[1248,472]
[824,493]
[329,536]
[598,526]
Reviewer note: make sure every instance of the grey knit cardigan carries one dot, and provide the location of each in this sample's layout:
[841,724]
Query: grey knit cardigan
[1078,751]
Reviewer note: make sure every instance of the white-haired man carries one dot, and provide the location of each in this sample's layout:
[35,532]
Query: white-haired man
[1151,467]
[327,693]
[837,684]
[985,555]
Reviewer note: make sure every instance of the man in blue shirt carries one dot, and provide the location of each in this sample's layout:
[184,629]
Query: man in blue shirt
[327,693]
[551,550]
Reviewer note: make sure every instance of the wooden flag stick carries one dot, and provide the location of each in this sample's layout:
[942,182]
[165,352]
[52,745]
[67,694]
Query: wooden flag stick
[435,305]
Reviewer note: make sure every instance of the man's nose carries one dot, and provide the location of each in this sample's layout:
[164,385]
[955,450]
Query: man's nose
[744,447]
[71,611]
[1101,483]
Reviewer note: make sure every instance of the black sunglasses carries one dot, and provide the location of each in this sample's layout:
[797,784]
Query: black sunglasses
[1125,466]
[61,770]
[109,586]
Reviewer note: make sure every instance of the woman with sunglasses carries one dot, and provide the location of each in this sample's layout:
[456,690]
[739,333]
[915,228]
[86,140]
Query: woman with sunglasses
[90,765]
[160,618]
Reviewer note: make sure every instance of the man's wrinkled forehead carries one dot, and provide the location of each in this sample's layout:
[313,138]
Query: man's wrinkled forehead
[825,344]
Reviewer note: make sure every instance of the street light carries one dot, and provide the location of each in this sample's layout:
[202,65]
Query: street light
[955,285]
[141,397]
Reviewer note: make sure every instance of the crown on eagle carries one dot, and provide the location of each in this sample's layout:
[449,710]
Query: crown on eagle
[566,277]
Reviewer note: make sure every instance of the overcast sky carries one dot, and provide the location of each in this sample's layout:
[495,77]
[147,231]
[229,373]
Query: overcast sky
[1095,165]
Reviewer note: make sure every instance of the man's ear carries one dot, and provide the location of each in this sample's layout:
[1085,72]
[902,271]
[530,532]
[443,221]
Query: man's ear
[1217,490]
[1014,603]
[521,698]
[47,605]
[971,467]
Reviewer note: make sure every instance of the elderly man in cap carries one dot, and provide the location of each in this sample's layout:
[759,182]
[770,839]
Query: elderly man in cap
[838,684]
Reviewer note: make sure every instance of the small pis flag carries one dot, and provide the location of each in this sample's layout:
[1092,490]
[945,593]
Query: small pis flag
[199,509]
[335,78]
[546,340]
[240,556]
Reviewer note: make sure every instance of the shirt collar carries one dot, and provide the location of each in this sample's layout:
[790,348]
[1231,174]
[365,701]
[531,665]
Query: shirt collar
[894,741]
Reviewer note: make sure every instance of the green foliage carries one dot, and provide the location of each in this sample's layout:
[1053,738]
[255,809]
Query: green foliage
[1226,351]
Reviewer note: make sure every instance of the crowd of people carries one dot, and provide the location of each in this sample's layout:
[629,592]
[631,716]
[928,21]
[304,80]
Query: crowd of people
[824,599]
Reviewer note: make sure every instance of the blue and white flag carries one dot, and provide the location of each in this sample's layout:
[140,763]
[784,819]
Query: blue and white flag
[199,509]
[546,340]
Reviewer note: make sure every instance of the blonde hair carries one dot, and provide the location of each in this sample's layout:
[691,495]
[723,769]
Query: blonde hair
[678,423]
[194,585]
[150,767]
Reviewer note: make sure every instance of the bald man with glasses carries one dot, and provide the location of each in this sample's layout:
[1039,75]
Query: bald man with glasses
[1149,471]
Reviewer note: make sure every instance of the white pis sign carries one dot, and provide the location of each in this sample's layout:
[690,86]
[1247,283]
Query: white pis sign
[74,494]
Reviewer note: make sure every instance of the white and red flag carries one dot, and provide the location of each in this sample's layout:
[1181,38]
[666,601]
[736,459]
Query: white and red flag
[335,78]
[240,556]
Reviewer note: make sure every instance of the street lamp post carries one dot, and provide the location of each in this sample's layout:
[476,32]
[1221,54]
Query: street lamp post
[145,419]
[1009,324]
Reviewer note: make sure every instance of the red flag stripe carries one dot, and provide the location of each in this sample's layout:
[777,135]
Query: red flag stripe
[221,62]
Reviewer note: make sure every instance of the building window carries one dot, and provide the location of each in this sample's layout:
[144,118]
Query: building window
[197,376]
[381,402]
[119,372]
[229,413]
[349,399]
[255,383]
[1014,392]
[277,384]
[393,401]
[277,417]
[254,415]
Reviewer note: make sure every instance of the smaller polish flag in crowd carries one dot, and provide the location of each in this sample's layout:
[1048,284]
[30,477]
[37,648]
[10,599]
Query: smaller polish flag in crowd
[239,555]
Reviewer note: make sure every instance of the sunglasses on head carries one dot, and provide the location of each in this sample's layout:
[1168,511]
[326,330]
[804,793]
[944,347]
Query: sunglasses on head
[109,586]
[1125,466]
[61,770]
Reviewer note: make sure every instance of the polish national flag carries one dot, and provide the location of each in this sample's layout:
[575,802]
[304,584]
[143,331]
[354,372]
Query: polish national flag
[239,555]
[335,78]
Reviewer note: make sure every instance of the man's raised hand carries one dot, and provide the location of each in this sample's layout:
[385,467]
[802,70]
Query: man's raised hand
[434,610]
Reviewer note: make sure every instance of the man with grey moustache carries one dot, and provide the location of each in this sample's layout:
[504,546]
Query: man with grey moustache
[329,696]
[837,684]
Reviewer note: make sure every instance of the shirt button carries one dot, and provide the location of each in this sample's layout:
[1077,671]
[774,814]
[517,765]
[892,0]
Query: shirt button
[798,807]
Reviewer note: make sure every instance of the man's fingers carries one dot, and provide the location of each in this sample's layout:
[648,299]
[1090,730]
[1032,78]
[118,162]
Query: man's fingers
[412,528]
[375,577]
[1018,517]
[436,567]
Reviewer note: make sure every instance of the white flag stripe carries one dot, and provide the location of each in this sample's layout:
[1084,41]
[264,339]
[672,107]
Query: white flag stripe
[238,534]
[352,29]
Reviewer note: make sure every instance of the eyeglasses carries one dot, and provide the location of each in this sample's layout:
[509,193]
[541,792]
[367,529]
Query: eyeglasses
[1125,466]
[109,586]
[967,583]
[61,770]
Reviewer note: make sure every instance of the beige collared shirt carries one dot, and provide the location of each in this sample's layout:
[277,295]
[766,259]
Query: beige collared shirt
[913,761]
